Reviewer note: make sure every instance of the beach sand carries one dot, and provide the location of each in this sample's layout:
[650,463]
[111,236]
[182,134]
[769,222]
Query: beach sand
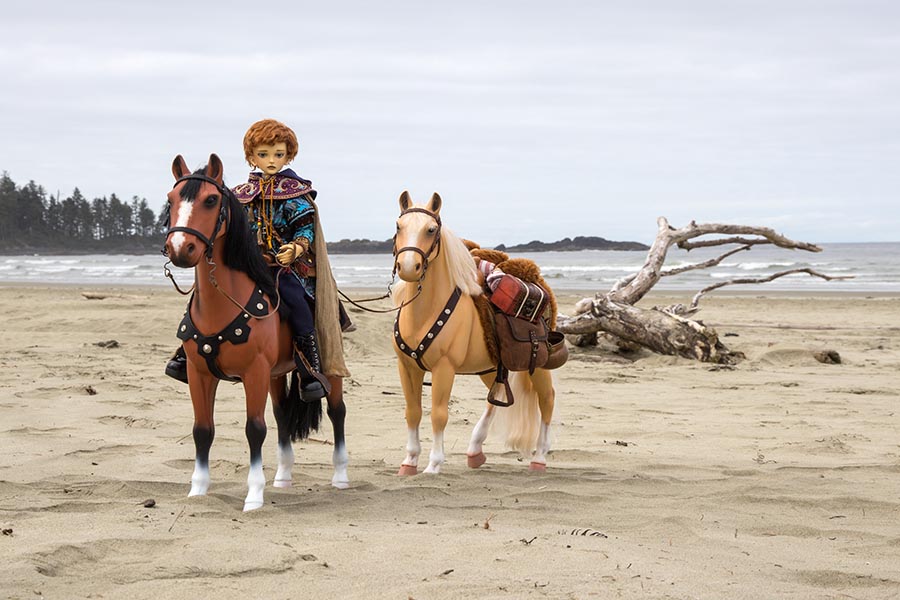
[779,478]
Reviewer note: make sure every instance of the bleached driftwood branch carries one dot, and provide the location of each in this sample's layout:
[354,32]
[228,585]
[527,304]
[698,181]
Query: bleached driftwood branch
[668,330]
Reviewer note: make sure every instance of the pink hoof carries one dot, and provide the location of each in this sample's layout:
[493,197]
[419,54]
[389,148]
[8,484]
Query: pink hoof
[282,483]
[536,466]
[407,470]
[476,460]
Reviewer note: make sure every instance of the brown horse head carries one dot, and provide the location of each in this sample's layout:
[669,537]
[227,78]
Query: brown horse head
[418,237]
[196,211]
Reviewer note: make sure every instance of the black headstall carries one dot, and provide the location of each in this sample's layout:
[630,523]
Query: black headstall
[221,220]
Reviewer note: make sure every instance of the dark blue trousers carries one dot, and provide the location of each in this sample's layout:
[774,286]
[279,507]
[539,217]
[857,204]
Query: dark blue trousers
[297,301]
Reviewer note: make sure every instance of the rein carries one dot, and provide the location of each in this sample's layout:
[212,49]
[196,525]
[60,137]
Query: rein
[435,247]
[223,219]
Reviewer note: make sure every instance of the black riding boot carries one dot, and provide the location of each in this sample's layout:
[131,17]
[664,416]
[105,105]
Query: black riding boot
[176,368]
[313,385]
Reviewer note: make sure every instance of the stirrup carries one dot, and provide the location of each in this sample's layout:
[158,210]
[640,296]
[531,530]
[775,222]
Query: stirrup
[176,368]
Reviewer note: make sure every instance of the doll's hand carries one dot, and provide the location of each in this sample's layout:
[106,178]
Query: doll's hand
[288,253]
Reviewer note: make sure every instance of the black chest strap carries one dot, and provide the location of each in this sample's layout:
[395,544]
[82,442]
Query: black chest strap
[416,353]
[237,332]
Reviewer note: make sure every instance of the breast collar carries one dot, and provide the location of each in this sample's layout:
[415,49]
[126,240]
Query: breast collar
[417,353]
[237,332]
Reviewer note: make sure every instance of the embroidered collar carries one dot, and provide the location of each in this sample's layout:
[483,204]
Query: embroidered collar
[287,185]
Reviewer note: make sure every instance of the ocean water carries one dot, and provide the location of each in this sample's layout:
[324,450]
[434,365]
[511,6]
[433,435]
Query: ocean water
[874,267]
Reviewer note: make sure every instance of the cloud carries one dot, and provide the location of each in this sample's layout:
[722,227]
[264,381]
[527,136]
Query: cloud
[579,118]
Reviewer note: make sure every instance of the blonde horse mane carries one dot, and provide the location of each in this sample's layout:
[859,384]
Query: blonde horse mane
[458,262]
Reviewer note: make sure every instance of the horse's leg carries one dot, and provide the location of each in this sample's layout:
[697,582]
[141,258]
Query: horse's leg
[203,397]
[543,384]
[442,376]
[475,453]
[337,411]
[256,388]
[411,380]
[278,392]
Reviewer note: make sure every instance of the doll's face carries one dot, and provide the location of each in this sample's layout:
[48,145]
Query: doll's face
[270,158]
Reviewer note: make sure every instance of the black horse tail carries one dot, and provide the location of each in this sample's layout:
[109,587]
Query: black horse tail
[303,417]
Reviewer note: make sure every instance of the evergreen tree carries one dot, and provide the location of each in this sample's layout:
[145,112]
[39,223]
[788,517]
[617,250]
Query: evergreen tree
[86,222]
[144,219]
[53,216]
[29,217]
[100,213]
[8,195]
[120,218]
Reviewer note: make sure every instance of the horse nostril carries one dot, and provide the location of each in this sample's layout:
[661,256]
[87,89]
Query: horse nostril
[190,248]
[418,266]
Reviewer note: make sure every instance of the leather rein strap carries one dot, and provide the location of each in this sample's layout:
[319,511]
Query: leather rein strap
[433,249]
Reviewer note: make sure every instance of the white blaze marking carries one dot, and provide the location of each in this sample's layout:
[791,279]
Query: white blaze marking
[184,217]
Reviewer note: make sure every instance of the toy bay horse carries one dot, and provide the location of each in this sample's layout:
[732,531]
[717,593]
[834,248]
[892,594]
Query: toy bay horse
[232,330]
[438,329]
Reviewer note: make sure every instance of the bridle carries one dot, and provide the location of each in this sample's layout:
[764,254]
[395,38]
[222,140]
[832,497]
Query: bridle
[223,218]
[435,249]
[435,244]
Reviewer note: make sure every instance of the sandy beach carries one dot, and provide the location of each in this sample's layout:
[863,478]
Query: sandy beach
[778,478]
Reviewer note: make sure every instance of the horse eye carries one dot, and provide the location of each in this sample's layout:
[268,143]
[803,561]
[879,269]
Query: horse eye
[398,226]
[211,201]
[431,230]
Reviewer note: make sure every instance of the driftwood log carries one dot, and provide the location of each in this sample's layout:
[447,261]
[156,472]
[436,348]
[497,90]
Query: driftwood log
[670,330]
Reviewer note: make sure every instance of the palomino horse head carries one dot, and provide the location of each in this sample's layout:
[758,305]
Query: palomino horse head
[197,212]
[418,237]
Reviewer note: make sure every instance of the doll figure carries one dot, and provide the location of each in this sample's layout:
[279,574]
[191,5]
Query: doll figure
[283,216]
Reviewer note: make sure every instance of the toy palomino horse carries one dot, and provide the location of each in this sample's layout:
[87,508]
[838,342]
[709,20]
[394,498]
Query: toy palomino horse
[438,328]
[232,330]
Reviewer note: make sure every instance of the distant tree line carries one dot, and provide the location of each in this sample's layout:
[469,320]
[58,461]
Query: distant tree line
[33,221]
[30,219]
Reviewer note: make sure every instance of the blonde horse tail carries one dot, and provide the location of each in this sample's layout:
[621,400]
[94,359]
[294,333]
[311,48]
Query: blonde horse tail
[520,423]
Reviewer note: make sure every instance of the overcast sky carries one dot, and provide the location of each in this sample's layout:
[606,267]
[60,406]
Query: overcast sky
[533,120]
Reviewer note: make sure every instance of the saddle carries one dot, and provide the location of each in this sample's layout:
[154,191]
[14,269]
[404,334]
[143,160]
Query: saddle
[521,318]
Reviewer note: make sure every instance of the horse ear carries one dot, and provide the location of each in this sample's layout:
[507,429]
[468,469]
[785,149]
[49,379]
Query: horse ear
[405,201]
[214,168]
[179,167]
[434,205]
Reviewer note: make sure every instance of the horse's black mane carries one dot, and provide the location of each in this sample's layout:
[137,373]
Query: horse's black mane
[241,251]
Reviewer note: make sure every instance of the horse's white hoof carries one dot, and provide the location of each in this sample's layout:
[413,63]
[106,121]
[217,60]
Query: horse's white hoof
[537,466]
[282,483]
[248,506]
[195,491]
[341,485]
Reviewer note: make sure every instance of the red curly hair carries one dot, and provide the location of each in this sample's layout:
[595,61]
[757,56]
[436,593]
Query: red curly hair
[270,131]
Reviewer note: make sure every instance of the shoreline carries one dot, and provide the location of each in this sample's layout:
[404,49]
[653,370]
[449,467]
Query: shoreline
[566,293]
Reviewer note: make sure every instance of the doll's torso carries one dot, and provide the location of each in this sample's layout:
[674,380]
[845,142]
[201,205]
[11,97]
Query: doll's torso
[280,210]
